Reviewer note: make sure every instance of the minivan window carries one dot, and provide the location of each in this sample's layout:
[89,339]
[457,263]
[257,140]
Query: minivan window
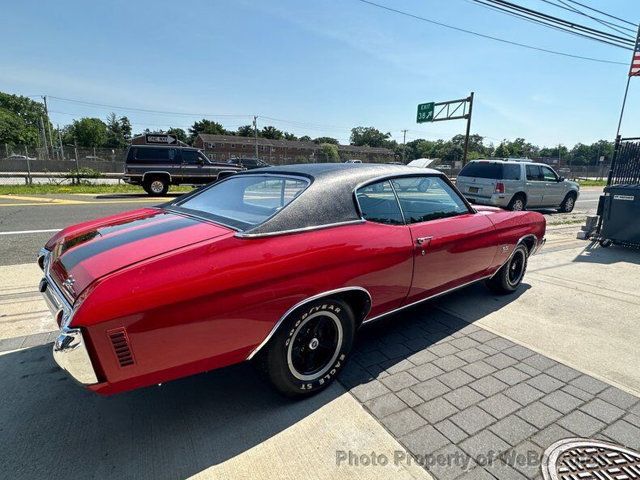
[378,204]
[534,173]
[510,172]
[482,170]
[549,175]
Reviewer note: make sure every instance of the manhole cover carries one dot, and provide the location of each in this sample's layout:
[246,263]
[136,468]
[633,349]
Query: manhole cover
[584,459]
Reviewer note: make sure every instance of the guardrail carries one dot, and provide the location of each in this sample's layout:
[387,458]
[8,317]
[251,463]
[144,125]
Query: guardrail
[74,177]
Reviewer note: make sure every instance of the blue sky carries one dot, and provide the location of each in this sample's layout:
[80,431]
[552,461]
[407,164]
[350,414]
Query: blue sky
[318,67]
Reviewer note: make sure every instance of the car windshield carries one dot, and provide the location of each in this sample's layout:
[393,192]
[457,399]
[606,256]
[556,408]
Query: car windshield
[243,201]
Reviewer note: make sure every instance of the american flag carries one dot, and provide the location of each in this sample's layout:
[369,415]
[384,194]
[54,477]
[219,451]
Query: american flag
[635,62]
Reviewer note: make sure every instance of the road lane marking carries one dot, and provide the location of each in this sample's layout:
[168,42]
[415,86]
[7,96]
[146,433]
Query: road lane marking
[64,203]
[26,232]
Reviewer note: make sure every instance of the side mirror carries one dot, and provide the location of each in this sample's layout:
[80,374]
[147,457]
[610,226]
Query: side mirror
[561,179]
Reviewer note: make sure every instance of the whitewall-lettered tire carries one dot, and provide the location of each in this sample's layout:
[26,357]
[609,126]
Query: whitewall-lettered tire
[310,347]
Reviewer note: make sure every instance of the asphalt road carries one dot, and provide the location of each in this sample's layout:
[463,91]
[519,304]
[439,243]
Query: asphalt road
[27,222]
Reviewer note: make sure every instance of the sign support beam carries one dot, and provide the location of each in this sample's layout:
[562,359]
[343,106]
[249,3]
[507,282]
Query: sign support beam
[449,110]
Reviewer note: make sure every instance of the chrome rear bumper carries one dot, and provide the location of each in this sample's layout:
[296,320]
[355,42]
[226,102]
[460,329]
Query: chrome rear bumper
[70,353]
[69,350]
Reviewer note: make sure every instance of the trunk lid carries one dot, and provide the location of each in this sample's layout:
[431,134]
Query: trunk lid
[89,251]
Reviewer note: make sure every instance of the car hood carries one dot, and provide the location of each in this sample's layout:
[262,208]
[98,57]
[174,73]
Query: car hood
[84,253]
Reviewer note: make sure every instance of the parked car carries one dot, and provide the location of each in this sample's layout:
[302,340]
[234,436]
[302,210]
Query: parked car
[353,160]
[516,185]
[248,163]
[155,167]
[277,266]
[19,157]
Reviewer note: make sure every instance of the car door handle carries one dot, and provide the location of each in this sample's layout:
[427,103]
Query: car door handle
[423,241]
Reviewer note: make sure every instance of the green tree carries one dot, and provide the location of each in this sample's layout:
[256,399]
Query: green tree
[20,120]
[206,126]
[271,133]
[179,133]
[118,131]
[502,150]
[90,132]
[369,136]
[305,138]
[320,140]
[245,131]
[330,152]
[290,136]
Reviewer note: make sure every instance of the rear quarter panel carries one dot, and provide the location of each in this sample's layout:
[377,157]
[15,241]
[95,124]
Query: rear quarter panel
[209,305]
[511,227]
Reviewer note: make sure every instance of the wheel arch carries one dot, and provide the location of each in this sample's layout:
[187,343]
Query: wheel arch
[530,241]
[158,173]
[522,194]
[358,298]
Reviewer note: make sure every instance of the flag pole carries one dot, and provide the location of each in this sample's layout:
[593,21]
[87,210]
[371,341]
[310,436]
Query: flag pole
[624,101]
[626,90]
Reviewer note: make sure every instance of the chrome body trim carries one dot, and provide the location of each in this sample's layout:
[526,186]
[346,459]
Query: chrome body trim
[70,353]
[299,230]
[300,304]
[424,300]
[69,349]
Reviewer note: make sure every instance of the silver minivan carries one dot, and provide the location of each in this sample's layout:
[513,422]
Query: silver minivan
[516,185]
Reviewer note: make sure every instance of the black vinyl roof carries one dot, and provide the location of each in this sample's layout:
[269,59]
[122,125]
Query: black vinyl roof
[329,198]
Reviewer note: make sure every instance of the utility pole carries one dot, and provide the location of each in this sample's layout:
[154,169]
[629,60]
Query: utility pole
[466,140]
[44,137]
[46,111]
[60,142]
[404,144]
[255,133]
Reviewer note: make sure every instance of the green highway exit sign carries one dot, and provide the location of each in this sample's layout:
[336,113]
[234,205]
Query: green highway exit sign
[425,112]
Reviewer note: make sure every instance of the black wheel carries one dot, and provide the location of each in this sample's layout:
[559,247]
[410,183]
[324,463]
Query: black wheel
[517,203]
[310,348]
[568,203]
[156,186]
[508,278]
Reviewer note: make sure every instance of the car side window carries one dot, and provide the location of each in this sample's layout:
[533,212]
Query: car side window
[510,172]
[190,156]
[549,175]
[427,198]
[534,173]
[378,204]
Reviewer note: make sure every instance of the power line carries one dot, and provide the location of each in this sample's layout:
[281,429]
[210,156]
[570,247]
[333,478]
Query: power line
[544,23]
[603,13]
[626,42]
[490,37]
[613,26]
[134,109]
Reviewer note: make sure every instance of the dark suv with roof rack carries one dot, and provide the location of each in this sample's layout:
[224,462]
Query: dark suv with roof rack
[155,167]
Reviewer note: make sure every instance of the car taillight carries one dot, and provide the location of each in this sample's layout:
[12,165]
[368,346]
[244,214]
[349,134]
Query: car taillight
[499,187]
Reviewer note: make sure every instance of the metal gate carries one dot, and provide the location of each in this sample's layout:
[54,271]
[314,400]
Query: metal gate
[625,167]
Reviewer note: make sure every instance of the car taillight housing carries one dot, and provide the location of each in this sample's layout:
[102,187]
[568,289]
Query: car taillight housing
[499,187]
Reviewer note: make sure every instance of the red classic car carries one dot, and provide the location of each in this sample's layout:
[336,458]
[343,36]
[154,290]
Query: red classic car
[279,266]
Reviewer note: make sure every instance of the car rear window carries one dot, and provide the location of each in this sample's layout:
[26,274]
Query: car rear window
[494,170]
[243,201]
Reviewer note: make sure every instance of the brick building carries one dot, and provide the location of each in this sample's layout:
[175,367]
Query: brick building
[277,152]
